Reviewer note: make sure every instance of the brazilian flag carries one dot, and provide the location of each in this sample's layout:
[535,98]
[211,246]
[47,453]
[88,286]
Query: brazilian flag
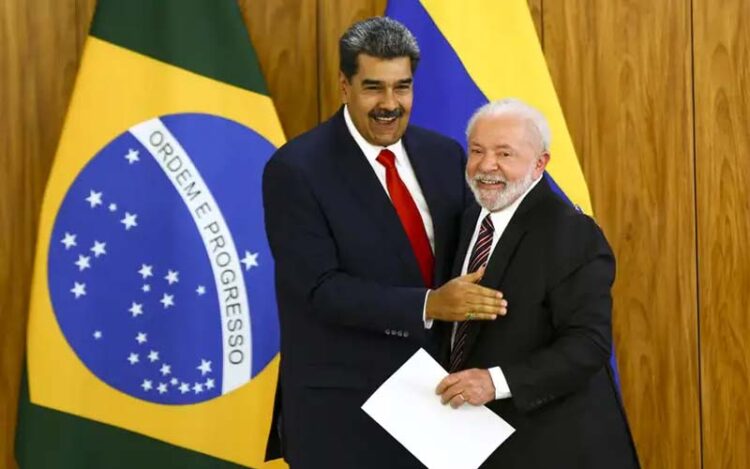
[153,333]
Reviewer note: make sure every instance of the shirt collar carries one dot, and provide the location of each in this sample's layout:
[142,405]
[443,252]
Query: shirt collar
[371,151]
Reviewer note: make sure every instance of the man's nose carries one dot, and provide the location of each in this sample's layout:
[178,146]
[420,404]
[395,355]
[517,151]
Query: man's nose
[488,163]
[389,100]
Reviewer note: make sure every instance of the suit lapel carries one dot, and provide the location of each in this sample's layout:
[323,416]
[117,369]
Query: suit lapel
[468,223]
[357,174]
[505,249]
[425,170]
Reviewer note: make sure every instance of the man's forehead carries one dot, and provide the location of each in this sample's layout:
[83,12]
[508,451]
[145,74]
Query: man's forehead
[504,125]
[370,67]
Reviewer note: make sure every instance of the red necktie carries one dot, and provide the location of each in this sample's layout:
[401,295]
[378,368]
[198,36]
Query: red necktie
[409,214]
[479,256]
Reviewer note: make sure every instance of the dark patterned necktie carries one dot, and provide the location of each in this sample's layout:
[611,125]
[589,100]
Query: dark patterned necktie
[479,256]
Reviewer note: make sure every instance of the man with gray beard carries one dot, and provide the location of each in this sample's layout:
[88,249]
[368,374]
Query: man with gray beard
[544,367]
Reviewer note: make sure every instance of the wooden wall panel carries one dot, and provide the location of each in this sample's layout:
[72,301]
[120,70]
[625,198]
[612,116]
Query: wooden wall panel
[334,16]
[623,74]
[722,107]
[536,7]
[284,34]
[39,51]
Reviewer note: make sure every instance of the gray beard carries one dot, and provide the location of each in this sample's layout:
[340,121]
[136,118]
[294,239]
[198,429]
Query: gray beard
[493,199]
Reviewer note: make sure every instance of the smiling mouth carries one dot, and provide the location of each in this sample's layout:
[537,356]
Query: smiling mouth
[490,182]
[384,119]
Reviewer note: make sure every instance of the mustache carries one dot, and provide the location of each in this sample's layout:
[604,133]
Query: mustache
[387,114]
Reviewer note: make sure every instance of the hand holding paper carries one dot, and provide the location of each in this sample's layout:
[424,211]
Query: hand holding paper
[407,407]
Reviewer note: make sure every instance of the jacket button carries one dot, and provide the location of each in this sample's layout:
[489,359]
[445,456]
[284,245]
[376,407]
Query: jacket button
[406,333]
[387,332]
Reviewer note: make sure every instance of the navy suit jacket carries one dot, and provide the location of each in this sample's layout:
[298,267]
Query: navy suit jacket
[349,288]
[555,268]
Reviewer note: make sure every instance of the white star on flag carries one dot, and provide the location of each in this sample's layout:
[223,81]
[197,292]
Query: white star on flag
[171,277]
[112,207]
[129,220]
[69,240]
[198,388]
[250,260]
[146,385]
[79,289]
[146,288]
[184,387]
[99,249]
[146,271]
[94,198]
[153,356]
[204,367]
[209,383]
[132,156]
[97,335]
[83,262]
[165,369]
[136,309]
[167,300]
[133,358]
[162,388]
[201,290]
[141,337]
[174,381]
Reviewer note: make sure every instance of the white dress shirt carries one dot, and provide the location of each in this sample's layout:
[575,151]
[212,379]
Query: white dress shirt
[500,220]
[406,173]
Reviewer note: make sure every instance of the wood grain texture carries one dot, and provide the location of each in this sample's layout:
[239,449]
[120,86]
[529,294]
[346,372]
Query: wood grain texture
[334,17]
[722,106]
[536,7]
[623,74]
[284,34]
[40,47]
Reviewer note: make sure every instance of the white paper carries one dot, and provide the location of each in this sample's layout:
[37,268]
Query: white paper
[406,406]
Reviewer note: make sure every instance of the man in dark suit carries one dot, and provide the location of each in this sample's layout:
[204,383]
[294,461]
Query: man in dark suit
[362,215]
[544,367]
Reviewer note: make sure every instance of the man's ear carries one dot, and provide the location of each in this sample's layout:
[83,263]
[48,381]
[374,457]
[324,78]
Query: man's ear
[541,164]
[344,86]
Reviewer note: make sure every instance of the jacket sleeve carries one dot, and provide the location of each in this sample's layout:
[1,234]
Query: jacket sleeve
[307,265]
[580,303]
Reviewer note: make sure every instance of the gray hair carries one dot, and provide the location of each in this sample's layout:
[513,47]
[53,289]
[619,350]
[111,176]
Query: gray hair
[380,37]
[517,108]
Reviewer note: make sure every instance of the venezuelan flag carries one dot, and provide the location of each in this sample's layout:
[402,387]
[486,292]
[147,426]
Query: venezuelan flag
[475,52]
[153,336]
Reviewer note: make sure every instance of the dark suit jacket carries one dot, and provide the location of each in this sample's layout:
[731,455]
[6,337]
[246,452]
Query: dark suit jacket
[555,268]
[349,288]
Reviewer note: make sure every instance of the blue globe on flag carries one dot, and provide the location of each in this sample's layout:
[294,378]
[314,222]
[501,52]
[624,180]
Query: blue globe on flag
[160,273]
